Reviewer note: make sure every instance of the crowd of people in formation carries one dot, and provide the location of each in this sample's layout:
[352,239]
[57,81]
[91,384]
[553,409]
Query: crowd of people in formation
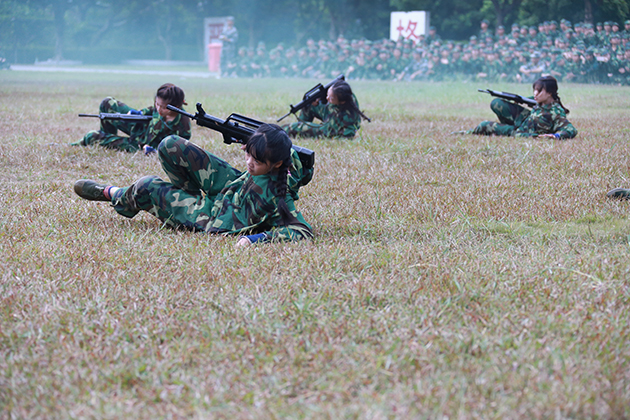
[580,53]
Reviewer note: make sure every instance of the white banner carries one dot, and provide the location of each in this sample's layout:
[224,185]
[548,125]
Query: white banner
[409,25]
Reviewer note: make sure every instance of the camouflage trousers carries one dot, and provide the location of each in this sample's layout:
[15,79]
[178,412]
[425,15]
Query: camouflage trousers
[305,127]
[194,174]
[108,136]
[510,115]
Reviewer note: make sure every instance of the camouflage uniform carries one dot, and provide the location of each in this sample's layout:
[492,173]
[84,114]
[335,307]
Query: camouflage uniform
[206,194]
[515,120]
[398,65]
[139,134]
[229,39]
[336,122]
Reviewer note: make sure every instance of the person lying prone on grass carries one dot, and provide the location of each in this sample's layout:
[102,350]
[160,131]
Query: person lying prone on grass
[141,136]
[548,118]
[206,194]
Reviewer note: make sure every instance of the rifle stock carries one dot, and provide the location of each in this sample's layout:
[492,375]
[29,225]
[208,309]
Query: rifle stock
[317,92]
[238,129]
[510,97]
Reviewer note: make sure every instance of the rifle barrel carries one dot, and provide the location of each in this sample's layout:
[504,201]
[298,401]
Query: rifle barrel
[180,111]
[284,116]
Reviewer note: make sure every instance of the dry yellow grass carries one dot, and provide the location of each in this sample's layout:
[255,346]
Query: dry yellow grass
[451,276]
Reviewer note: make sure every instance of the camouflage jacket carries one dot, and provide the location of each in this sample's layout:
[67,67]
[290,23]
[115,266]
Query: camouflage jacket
[336,122]
[248,205]
[546,119]
[159,128]
[212,196]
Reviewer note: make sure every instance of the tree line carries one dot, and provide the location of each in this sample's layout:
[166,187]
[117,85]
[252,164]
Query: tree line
[111,31]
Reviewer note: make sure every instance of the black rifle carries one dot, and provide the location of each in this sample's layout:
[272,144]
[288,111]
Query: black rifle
[238,129]
[510,97]
[318,92]
[143,119]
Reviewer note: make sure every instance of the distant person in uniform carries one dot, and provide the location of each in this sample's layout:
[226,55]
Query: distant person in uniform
[229,38]
[529,72]
[140,135]
[340,117]
[547,119]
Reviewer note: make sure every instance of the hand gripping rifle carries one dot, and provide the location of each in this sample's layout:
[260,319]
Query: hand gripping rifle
[318,92]
[510,97]
[142,119]
[238,129]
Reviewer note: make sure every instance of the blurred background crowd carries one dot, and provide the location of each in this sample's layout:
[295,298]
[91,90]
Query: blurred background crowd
[580,52]
[510,40]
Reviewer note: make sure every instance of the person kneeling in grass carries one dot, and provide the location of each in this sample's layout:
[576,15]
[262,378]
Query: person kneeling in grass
[206,194]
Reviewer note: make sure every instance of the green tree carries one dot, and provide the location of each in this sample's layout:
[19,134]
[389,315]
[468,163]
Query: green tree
[590,11]
[26,32]
[504,9]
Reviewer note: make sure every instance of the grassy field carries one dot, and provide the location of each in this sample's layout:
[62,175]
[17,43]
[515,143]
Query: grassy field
[450,277]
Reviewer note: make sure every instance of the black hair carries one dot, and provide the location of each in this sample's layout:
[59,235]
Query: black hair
[271,144]
[343,92]
[550,85]
[172,94]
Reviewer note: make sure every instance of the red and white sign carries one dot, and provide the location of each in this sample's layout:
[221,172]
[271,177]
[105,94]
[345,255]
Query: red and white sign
[409,25]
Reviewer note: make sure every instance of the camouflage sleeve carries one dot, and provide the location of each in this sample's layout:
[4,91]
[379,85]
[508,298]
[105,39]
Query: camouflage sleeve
[297,230]
[148,110]
[159,128]
[319,111]
[563,128]
[181,127]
